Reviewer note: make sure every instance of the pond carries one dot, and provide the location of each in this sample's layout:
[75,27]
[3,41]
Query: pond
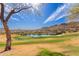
[36,35]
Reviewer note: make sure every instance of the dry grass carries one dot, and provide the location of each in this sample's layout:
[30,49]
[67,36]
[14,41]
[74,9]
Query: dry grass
[34,49]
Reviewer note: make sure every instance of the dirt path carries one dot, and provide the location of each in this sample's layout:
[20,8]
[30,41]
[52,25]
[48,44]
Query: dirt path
[29,49]
[32,49]
[2,38]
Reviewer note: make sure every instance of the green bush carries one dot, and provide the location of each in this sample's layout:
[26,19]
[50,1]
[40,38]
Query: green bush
[45,52]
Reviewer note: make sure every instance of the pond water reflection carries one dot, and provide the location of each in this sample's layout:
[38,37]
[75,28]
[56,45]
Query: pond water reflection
[36,35]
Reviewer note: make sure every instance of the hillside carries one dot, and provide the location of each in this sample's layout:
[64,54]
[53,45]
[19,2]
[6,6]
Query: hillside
[57,29]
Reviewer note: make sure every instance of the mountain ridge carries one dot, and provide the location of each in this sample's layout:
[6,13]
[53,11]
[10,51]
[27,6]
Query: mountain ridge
[57,29]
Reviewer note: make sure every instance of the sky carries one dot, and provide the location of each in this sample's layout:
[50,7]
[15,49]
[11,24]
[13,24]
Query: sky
[50,14]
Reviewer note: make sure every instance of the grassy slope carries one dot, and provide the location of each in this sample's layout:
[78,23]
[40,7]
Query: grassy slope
[61,40]
[19,40]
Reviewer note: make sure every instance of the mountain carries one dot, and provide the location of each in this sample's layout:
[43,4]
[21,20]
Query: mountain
[57,29]
[62,28]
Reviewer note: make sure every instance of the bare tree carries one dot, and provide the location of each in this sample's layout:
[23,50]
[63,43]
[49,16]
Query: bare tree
[15,8]
[74,13]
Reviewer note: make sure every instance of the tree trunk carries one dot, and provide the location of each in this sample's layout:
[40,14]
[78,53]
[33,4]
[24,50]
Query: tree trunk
[8,36]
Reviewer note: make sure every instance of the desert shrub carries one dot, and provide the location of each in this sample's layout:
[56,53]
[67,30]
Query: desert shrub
[45,52]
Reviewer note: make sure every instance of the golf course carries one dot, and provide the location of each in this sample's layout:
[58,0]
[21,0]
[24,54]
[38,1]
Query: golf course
[66,44]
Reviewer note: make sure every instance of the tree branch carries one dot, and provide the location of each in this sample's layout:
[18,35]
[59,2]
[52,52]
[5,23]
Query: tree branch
[21,9]
[13,12]
[9,15]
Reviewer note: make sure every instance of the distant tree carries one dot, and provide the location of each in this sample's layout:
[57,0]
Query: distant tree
[74,11]
[15,8]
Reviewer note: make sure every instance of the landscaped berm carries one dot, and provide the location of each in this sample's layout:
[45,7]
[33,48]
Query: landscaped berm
[54,45]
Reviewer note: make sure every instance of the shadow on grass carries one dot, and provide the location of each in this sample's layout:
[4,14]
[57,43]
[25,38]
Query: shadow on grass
[2,51]
[45,52]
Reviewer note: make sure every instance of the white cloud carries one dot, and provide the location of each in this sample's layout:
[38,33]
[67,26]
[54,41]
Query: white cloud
[15,19]
[54,15]
[8,8]
[62,16]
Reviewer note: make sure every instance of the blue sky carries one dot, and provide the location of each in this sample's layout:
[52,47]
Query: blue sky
[28,20]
